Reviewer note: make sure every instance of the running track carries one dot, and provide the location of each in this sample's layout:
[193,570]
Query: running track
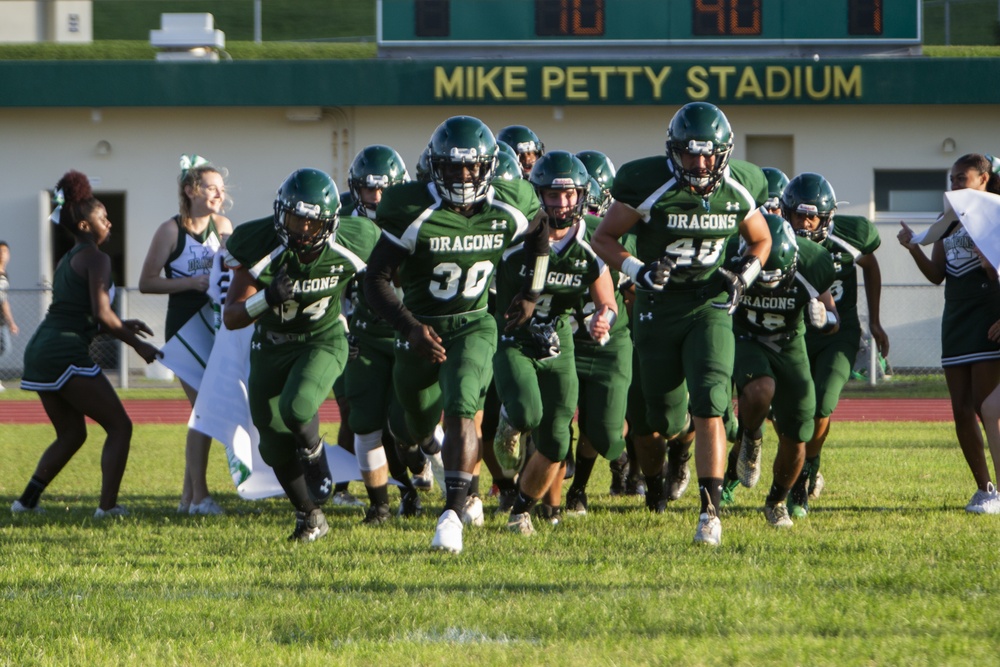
[145,411]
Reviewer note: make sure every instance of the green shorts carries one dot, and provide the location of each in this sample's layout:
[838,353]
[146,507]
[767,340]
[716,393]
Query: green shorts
[288,383]
[522,382]
[605,374]
[685,348]
[787,363]
[368,383]
[456,387]
[832,359]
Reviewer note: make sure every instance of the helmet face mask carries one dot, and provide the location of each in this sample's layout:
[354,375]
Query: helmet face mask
[699,145]
[809,196]
[374,167]
[596,202]
[561,171]
[462,160]
[306,195]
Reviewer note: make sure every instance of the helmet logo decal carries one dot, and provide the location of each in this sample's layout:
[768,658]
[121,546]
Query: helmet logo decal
[527,147]
[376,181]
[563,183]
[458,153]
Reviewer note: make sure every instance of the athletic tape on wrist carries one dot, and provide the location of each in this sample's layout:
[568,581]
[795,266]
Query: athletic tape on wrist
[631,267]
[256,305]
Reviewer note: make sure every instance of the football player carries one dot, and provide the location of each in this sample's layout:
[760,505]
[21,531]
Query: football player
[809,203]
[772,366]
[289,271]
[534,366]
[367,379]
[445,240]
[684,210]
[525,143]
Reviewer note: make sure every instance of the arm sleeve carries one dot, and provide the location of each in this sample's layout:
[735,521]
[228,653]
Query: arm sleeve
[379,291]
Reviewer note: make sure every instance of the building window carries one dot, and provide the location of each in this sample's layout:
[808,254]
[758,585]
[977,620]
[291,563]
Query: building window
[910,191]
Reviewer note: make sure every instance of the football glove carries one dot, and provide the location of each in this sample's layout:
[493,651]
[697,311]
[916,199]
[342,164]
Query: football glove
[736,283]
[280,290]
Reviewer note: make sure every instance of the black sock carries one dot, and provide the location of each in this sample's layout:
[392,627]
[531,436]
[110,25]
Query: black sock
[32,492]
[378,495]
[341,487]
[523,503]
[777,494]
[456,491]
[731,462]
[584,468]
[504,484]
[293,481]
[474,486]
[711,492]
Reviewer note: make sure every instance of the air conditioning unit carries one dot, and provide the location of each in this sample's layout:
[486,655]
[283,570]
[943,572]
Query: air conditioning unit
[187,37]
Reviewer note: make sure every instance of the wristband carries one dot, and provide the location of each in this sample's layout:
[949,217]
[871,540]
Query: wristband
[256,305]
[831,322]
[631,267]
[539,275]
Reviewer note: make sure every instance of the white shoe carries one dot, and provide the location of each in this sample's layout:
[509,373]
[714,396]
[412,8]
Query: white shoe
[818,486]
[709,530]
[346,499]
[985,502]
[448,536]
[16,508]
[520,523]
[472,513]
[206,506]
[777,515]
[113,513]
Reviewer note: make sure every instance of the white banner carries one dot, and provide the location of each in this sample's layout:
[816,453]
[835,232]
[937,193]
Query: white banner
[979,213]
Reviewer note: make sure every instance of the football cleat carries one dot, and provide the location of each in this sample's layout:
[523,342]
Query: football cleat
[552,515]
[309,526]
[520,523]
[656,499]
[17,508]
[576,502]
[777,515]
[206,506]
[424,481]
[505,500]
[709,530]
[472,513]
[377,515]
[748,465]
[410,505]
[448,535]
[816,484]
[619,470]
[509,446]
[985,502]
[798,498]
[346,499]
[114,513]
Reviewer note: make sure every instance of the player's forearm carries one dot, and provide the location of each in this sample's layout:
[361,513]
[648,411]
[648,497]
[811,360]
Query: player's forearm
[380,292]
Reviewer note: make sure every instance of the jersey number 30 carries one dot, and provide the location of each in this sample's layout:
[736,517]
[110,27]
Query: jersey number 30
[450,280]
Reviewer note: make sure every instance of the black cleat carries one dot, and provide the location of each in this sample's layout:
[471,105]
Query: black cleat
[309,526]
[656,499]
[376,514]
[678,472]
[576,502]
[410,505]
[619,470]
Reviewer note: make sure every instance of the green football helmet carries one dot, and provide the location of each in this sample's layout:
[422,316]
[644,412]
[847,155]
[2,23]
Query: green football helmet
[374,166]
[462,145]
[310,194]
[561,170]
[595,199]
[423,171]
[811,195]
[699,128]
[505,148]
[525,143]
[601,168]
[508,168]
[779,269]
[776,182]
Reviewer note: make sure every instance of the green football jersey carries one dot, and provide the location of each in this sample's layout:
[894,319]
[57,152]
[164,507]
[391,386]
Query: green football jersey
[850,237]
[767,312]
[691,229]
[451,258]
[317,285]
[573,267]
[584,308]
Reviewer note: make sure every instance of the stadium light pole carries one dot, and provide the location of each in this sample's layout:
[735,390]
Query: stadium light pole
[257,30]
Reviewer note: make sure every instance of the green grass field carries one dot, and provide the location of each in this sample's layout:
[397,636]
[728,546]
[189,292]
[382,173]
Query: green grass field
[887,570]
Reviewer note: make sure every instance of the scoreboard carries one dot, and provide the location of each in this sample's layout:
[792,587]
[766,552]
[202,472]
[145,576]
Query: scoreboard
[610,28]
